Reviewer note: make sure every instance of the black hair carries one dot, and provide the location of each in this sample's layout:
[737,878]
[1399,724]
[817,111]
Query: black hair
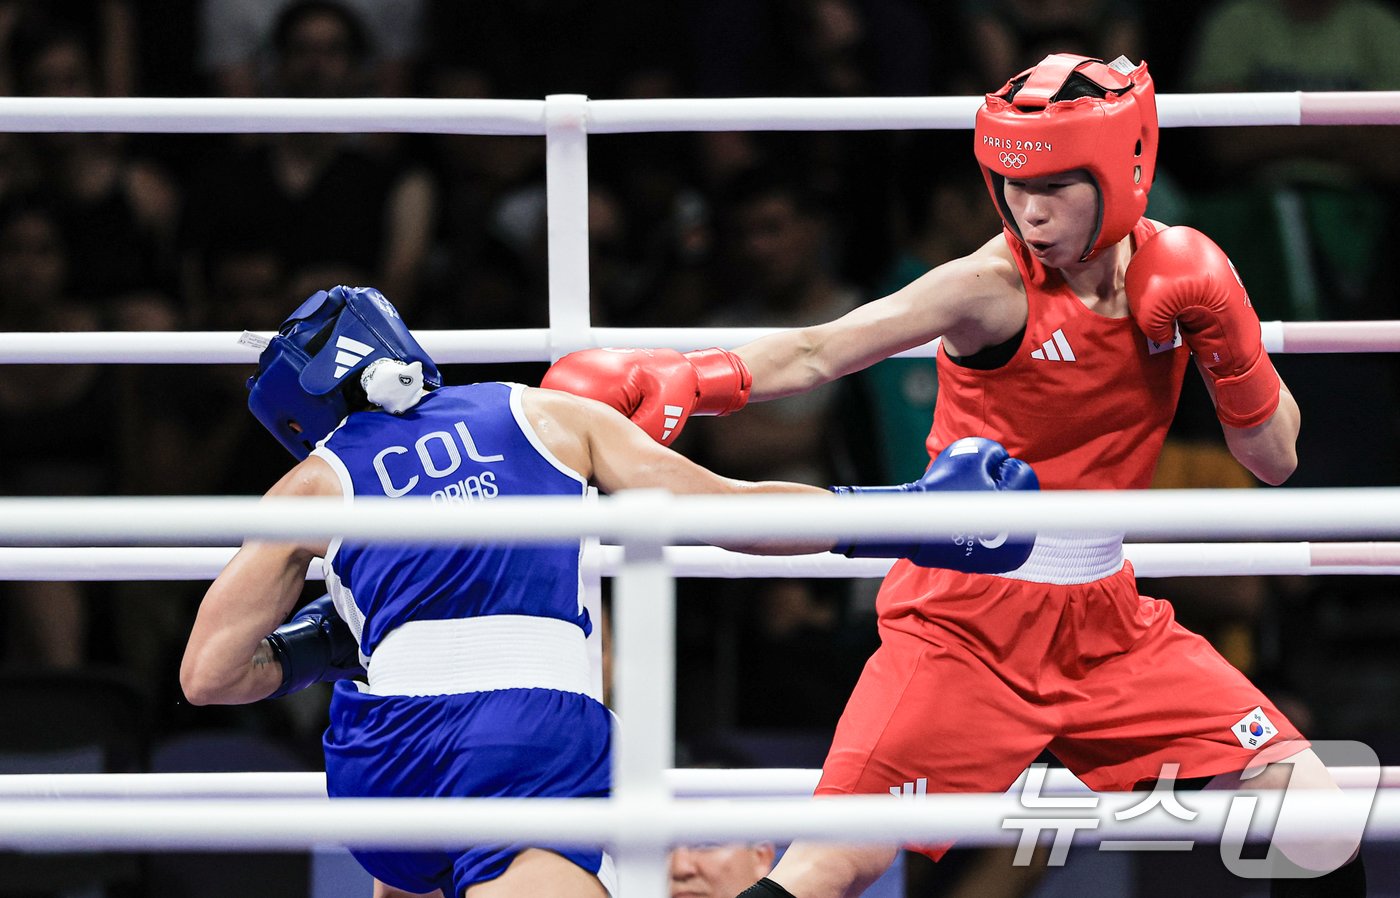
[36,203]
[35,37]
[292,17]
[773,181]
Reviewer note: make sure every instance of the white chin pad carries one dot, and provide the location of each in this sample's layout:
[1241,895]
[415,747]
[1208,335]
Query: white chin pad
[393,385]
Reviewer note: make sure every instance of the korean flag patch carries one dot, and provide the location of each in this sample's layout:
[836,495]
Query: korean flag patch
[1254,729]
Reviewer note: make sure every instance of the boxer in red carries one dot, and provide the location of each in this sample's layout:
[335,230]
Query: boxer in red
[1066,338]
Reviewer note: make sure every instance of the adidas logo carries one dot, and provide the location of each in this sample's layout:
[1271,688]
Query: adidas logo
[1056,349]
[673,417]
[349,353]
[910,790]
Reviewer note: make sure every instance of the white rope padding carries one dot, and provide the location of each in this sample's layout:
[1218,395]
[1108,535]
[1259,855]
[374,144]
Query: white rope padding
[269,115]
[907,113]
[1340,108]
[223,347]
[683,782]
[1149,560]
[655,517]
[203,115]
[635,824]
[109,564]
[453,347]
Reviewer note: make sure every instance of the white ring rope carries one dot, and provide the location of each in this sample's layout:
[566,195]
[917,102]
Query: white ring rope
[236,115]
[655,517]
[1149,560]
[107,563]
[190,115]
[681,782]
[452,347]
[638,824]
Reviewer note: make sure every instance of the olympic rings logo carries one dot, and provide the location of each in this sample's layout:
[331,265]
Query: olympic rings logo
[1013,160]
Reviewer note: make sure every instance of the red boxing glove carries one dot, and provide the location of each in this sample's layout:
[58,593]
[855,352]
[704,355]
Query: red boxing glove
[659,389]
[1181,275]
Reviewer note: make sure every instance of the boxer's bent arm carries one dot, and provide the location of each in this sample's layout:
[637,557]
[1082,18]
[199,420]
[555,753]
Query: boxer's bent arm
[226,661]
[1269,450]
[614,454]
[965,297]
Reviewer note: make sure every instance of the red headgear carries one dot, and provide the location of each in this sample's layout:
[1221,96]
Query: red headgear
[1113,137]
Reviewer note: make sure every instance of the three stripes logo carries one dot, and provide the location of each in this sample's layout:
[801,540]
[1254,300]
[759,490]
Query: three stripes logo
[348,354]
[673,417]
[1056,349]
[911,790]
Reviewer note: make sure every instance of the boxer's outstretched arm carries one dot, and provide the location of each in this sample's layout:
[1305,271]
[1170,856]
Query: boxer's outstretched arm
[965,299]
[600,444]
[613,454]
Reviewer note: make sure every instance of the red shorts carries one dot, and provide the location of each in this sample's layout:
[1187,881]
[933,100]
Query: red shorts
[976,675]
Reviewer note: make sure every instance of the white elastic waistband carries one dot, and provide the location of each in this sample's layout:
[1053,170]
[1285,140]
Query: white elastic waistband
[479,654]
[1065,559]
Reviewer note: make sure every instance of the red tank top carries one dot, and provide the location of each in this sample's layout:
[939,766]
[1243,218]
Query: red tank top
[1086,400]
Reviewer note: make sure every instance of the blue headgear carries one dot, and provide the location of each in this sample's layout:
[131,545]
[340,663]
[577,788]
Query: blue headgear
[310,371]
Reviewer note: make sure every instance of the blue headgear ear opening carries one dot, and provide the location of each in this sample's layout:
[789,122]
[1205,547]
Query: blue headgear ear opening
[295,418]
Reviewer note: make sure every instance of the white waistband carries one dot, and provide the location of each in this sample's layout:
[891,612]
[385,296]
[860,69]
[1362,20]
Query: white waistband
[1065,559]
[479,654]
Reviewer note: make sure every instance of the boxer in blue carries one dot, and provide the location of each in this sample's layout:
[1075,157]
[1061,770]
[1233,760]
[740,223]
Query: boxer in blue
[475,675]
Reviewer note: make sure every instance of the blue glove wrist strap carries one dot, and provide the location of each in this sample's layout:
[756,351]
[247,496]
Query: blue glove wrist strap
[872,550]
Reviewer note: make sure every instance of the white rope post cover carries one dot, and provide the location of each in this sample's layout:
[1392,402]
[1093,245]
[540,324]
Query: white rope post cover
[566,174]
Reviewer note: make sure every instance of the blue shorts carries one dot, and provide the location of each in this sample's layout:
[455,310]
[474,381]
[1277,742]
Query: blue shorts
[506,743]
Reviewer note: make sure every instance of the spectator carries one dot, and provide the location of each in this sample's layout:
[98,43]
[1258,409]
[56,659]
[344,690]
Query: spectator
[1012,35]
[236,40]
[952,222]
[66,415]
[529,49]
[119,209]
[335,211]
[718,871]
[108,27]
[780,237]
[1322,193]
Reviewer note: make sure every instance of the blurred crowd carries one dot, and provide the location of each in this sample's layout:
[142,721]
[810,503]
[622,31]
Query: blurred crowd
[228,232]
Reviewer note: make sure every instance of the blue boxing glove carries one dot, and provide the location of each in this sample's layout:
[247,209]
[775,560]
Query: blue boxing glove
[315,646]
[972,463]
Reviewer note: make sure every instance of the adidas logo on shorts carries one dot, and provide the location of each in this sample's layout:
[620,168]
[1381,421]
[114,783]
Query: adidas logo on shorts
[911,790]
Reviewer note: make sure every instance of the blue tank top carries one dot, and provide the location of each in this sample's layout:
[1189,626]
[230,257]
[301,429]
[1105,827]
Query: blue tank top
[459,445]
